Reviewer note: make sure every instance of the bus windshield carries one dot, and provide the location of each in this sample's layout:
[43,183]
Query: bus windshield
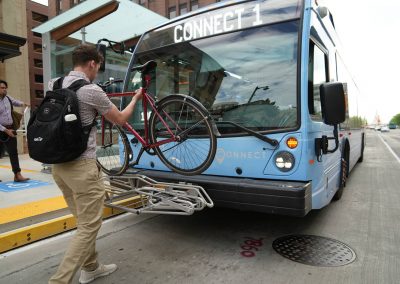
[247,77]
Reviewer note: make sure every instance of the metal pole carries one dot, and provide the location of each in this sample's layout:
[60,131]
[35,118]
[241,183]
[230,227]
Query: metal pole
[83,32]
[47,64]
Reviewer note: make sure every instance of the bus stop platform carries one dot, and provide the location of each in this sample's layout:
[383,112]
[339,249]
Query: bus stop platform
[25,200]
[32,210]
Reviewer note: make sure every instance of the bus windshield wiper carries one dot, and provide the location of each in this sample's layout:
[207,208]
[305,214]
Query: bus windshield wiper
[272,142]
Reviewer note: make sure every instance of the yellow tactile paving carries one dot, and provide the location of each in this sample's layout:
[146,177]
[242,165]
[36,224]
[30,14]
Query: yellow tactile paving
[23,170]
[18,212]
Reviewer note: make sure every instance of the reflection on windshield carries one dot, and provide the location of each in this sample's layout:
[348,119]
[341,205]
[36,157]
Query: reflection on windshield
[247,77]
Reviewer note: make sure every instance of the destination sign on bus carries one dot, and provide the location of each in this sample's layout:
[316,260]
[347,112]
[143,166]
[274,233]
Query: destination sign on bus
[222,20]
[211,24]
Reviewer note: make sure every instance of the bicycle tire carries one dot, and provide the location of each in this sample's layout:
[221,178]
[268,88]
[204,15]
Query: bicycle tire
[114,153]
[197,146]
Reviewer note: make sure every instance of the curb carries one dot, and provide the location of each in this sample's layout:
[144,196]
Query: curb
[29,234]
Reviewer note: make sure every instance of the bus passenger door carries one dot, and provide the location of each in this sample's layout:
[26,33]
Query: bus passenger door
[326,175]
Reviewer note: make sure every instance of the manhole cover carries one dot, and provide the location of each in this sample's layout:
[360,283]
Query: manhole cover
[314,250]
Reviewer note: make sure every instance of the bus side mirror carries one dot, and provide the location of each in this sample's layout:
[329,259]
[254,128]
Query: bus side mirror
[102,48]
[333,103]
[333,108]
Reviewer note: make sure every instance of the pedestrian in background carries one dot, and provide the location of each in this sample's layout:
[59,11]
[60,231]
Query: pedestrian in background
[7,133]
[80,180]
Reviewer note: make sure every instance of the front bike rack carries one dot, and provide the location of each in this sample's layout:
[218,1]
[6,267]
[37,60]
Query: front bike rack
[140,194]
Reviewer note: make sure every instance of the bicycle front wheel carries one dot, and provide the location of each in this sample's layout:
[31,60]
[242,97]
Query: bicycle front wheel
[112,150]
[193,147]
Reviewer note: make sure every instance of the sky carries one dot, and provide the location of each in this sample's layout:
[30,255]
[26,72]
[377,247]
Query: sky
[44,2]
[368,30]
[369,36]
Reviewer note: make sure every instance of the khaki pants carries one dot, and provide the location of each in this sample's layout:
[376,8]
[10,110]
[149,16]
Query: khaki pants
[84,192]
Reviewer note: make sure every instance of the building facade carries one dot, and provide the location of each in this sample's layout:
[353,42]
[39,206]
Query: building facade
[36,15]
[24,72]
[173,8]
[15,68]
[167,8]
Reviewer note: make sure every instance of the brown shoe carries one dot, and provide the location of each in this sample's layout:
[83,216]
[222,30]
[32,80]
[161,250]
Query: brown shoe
[19,178]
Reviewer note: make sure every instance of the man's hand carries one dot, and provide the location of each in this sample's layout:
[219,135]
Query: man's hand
[10,132]
[139,94]
[121,117]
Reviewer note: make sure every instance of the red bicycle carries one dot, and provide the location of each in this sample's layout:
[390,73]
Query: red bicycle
[180,131]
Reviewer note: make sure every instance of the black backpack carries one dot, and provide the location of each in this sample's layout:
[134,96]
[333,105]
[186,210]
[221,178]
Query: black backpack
[55,131]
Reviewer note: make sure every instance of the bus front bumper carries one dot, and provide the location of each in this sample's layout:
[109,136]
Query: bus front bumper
[269,196]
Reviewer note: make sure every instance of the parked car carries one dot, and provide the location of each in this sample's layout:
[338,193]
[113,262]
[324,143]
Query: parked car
[384,129]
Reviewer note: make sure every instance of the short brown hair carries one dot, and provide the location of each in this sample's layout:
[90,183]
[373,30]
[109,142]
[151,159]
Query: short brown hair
[84,53]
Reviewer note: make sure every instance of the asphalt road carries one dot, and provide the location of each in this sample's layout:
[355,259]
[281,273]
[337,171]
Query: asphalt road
[206,247]
[392,138]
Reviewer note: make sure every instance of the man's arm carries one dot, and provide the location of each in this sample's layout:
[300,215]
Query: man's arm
[17,103]
[121,117]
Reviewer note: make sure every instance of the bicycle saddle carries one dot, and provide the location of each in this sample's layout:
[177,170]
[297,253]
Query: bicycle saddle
[145,68]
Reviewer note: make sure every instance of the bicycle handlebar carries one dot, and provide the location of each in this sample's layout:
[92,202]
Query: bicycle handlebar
[111,45]
[109,83]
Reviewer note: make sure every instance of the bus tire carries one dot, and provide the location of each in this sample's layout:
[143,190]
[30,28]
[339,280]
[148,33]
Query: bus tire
[344,173]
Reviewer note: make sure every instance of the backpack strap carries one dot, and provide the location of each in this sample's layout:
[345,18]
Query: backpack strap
[75,86]
[58,83]
[88,128]
[12,107]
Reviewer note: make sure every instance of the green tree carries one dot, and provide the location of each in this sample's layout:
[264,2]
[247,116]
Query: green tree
[396,119]
[356,122]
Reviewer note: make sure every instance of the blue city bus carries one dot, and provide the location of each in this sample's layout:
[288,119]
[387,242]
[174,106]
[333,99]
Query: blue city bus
[259,68]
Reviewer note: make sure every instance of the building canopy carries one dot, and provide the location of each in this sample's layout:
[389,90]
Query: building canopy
[116,20]
[89,22]
[9,46]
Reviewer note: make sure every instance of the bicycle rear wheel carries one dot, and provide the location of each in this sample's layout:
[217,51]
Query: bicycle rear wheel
[195,145]
[113,151]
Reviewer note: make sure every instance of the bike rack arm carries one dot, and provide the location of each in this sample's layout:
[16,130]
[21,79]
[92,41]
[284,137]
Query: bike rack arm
[154,197]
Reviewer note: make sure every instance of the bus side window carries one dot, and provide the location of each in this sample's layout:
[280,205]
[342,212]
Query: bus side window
[317,74]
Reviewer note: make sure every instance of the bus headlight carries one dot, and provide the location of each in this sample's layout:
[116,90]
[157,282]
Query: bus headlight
[284,161]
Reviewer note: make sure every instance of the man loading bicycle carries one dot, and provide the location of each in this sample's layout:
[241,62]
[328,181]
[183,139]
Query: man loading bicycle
[79,180]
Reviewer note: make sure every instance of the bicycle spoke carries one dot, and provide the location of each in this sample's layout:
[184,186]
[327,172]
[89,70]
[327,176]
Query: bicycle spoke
[180,114]
[192,127]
